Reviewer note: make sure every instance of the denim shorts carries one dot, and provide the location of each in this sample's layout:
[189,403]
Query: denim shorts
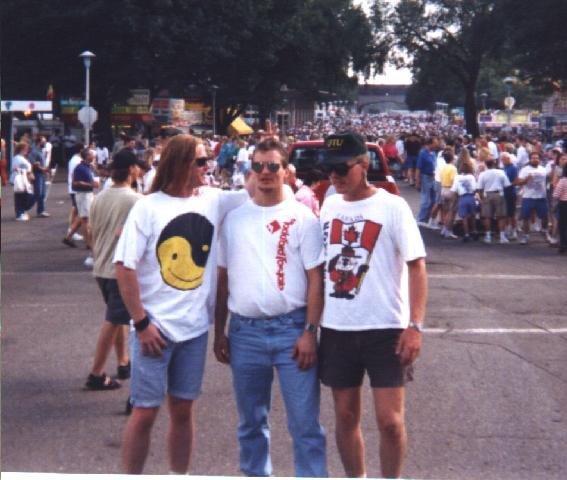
[178,371]
[537,204]
[116,312]
[467,205]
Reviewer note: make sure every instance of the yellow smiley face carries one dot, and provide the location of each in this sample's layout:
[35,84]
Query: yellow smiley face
[177,267]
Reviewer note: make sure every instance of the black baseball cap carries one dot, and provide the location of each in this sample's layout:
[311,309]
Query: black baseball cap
[341,147]
[124,159]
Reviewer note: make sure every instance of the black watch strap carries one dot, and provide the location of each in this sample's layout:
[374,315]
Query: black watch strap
[141,325]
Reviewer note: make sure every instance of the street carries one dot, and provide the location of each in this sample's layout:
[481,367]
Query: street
[489,399]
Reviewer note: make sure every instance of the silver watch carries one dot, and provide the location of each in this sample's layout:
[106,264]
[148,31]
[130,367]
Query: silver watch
[416,326]
[311,328]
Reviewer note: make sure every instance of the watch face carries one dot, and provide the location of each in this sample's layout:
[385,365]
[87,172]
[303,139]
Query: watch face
[311,328]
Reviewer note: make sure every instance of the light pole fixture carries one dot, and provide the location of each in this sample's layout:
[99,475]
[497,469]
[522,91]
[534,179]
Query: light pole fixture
[214,89]
[483,97]
[87,57]
[509,101]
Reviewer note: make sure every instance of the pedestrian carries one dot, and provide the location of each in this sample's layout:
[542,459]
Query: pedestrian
[560,203]
[412,148]
[425,181]
[371,322]
[74,219]
[21,176]
[533,178]
[166,270]
[465,186]
[448,197]
[40,170]
[107,217]
[274,316]
[491,185]
[306,193]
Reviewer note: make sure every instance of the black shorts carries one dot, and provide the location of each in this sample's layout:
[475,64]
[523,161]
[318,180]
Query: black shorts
[116,312]
[73,200]
[344,356]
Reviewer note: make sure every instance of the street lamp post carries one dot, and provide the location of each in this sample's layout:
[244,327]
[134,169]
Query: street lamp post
[509,100]
[214,89]
[483,97]
[87,56]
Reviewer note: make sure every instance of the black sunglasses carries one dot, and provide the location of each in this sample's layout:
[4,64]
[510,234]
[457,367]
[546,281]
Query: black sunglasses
[258,167]
[341,169]
[201,161]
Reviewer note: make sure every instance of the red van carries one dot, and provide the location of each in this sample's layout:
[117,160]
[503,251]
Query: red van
[305,155]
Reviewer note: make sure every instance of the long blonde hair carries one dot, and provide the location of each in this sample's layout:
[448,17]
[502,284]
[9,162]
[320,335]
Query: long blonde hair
[175,164]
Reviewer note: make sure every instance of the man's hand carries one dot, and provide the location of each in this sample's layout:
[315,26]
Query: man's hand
[151,341]
[305,350]
[409,346]
[222,348]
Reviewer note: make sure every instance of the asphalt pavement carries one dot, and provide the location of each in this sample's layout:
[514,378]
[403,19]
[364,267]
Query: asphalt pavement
[489,399]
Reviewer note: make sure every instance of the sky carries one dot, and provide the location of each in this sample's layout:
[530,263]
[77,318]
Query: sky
[392,75]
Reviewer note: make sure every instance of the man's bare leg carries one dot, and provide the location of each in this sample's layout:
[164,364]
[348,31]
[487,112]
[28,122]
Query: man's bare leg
[106,338]
[181,429]
[136,439]
[121,345]
[348,433]
[389,408]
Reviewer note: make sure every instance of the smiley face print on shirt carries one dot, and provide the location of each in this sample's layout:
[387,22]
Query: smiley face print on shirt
[183,248]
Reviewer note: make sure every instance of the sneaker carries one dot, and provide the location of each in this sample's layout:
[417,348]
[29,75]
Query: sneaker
[550,239]
[524,240]
[443,232]
[69,242]
[450,235]
[423,224]
[503,238]
[513,235]
[433,225]
[89,262]
[24,217]
[77,237]
[487,238]
[43,215]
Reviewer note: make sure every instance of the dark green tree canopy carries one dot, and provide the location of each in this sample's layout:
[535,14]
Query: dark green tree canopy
[248,48]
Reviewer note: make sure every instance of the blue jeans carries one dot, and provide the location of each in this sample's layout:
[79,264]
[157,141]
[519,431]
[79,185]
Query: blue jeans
[39,192]
[426,197]
[257,346]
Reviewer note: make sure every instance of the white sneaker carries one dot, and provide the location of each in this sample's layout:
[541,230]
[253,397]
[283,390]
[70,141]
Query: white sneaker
[550,239]
[77,237]
[450,235]
[89,262]
[443,232]
[487,238]
[503,238]
[513,235]
[524,239]
[24,217]
[433,225]
[422,224]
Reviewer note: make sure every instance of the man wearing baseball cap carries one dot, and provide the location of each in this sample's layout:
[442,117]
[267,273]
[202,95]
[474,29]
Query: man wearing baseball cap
[375,296]
[108,214]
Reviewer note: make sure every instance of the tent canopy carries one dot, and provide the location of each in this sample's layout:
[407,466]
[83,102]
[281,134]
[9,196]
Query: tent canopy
[239,127]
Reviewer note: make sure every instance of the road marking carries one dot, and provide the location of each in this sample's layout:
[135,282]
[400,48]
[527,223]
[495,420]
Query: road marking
[494,330]
[490,276]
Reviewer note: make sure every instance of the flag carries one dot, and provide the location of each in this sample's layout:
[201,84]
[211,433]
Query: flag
[362,234]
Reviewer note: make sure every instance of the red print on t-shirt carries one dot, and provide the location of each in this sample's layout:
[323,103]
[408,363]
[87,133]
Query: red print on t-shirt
[273,227]
[281,257]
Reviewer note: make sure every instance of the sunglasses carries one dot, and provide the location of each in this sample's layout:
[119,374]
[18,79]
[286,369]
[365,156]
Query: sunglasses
[272,167]
[201,161]
[341,169]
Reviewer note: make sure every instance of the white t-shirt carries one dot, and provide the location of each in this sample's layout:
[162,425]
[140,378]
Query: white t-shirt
[464,184]
[101,155]
[171,242]
[493,180]
[19,162]
[148,179]
[440,162]
[75,160]
[535,188]
[522,157]
[380,233]
[266,251]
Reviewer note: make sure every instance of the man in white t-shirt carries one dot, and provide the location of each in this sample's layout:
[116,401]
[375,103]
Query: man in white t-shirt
[491,184]
[375,296]
[533,178]
[166,270]
[270,279]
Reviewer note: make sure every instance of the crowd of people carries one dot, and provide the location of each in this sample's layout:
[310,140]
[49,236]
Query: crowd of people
[169,213]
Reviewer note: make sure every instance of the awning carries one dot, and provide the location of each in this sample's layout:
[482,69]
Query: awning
[239,127]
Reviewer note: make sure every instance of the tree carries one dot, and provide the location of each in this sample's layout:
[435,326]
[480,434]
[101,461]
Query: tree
[462,34]
[248,48]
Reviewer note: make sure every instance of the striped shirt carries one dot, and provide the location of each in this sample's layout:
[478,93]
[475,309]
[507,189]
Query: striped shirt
[560,190]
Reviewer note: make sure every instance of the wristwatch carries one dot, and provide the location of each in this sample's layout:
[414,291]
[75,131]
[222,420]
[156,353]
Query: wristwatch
[416,326]
[311,328]
[141,325]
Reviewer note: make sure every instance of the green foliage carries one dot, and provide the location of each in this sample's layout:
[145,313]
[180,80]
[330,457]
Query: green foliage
[248,48]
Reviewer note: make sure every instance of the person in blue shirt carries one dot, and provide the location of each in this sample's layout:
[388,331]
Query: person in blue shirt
[510,195]
[40,171]
[425,180]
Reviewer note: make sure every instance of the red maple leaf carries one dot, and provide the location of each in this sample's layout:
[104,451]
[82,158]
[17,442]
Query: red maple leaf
[351,235]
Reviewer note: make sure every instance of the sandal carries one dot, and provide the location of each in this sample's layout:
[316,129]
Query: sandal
[123,371]
[103,382]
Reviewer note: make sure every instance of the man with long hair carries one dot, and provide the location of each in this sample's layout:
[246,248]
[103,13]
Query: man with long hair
[166,270]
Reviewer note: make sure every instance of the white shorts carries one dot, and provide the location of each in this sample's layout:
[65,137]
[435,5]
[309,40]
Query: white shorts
[84,201]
